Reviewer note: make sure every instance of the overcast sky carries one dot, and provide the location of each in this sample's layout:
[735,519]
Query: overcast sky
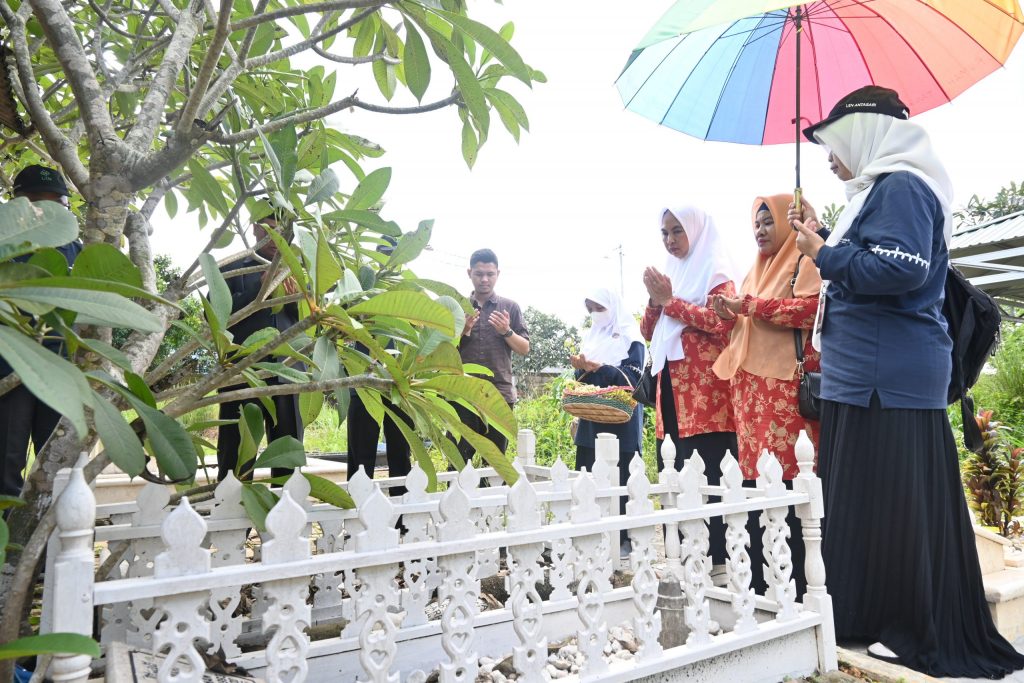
[590,176]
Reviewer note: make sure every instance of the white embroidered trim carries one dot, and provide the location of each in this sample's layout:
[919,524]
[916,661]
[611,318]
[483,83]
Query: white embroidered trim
[898,253]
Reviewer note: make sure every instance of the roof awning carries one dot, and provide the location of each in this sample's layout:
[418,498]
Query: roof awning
[991,255]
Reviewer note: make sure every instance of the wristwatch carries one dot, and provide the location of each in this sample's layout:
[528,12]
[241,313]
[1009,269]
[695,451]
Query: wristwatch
[508,334]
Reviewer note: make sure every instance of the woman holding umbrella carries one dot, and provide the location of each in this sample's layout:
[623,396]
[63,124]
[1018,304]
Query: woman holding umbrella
[898,545]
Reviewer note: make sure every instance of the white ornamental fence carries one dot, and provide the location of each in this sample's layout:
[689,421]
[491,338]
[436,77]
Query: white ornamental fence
[342,595]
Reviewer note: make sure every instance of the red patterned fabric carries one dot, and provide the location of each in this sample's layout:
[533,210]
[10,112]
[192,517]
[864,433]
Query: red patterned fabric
[765,408]
[703,401]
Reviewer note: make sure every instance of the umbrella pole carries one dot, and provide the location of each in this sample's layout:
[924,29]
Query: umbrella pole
[798,22]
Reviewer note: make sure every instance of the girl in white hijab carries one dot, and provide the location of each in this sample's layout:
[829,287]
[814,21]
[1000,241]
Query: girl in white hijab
[694,407]
[611,354]
[898,544]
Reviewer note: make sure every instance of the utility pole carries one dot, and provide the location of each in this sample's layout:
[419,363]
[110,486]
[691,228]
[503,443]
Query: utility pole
[622,282]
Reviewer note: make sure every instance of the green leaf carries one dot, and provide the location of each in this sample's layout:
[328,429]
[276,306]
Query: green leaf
[465,78]
[384,74]
[328,270]
[444,358]
[220,295]
[258,500]
[42,224]
[411,245]
[207,187]
[275,163]
[10,502]
[503,101]
[168,442]
[493,43]
[286,451]
[105,262]
[481,395]
[250,428]
[367,219]
[490,453]
[285,143]
[115,356]
[139,388]
[83,283]
[171,204]
[288,256]
[370,189]
[50,378]
[329,492]
[415,307]
[416,61]
[5,536]
[98,308]
[310,405]
[323,187]
[120,442]
[50,260]
[258,339]
[350,287]
[325,358]
[470,147]
[416,447]
[50,644]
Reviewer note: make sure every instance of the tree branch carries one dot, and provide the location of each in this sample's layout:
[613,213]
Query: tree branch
[152,108]
[57,144]
[205,74]
[310,8]
[313,40]
[378,57]
[186,402]
[183,352]
[353,382]
[61,34]
[333,108]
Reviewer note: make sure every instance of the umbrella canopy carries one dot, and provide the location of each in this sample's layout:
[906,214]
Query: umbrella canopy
[728,70]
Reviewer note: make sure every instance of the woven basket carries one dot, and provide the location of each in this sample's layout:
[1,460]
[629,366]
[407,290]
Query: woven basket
[597,406]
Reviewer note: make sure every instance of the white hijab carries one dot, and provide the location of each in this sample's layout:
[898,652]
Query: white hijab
[609,343]
[706,265]
[870,145]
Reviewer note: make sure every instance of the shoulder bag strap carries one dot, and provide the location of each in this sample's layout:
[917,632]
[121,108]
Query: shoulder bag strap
[798,338]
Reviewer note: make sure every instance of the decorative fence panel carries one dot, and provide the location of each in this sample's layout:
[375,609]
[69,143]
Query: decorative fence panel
[392,591]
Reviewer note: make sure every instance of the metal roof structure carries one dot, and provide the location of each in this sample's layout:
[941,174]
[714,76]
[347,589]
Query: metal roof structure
[991,255]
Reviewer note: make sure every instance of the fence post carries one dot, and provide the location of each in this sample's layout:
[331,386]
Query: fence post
[593,571]
[777,553]
[526,444]
[647,623]
[72,572]
[810,514]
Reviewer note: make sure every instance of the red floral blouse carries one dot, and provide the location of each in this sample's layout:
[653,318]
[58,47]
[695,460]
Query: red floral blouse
[765,408]
[703,403]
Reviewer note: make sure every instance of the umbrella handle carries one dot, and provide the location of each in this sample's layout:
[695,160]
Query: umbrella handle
[798,193]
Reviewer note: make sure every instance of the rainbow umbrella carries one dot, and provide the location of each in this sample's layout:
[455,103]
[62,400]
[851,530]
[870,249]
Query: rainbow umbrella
[756,71]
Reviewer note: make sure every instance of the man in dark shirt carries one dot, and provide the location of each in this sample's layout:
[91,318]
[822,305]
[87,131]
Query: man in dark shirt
[492,333]
[244,290]
[23,417]
[363,431]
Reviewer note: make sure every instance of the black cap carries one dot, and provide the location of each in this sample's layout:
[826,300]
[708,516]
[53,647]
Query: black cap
[388,245]
[37,178]
[871,99]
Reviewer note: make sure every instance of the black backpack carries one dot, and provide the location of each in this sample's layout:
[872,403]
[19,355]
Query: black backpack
[973,318]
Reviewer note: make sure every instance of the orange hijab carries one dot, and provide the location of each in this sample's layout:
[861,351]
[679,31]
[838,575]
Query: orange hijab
[757,346]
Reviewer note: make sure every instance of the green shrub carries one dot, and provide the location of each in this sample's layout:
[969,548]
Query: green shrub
[543,414]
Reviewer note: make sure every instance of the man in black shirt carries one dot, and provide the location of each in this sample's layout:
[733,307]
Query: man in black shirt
[244,290]
[23,417]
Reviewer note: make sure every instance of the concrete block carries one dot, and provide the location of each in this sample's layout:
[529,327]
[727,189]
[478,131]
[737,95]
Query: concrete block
[990,550]
[1004,591]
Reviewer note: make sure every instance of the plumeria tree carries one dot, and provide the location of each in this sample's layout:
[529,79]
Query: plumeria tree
[211,107]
